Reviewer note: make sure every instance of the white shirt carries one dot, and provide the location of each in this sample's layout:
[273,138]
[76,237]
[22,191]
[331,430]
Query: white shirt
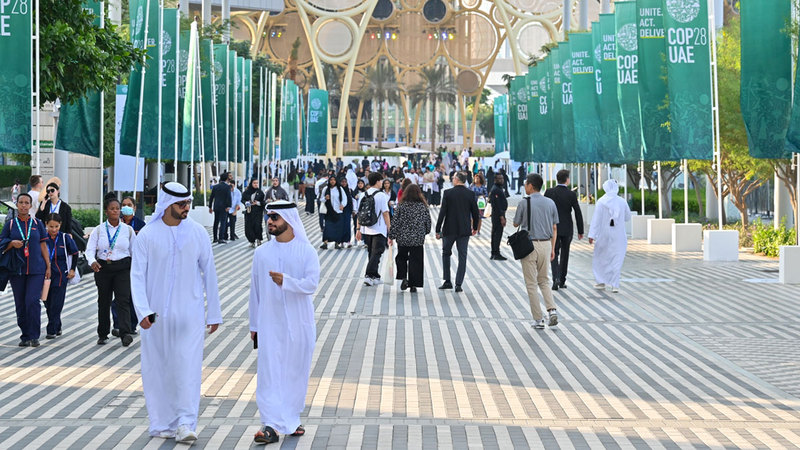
[98,246]
[34,201]
[320,184]
[381,206]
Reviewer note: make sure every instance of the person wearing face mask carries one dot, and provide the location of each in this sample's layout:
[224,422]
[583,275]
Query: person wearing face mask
[54,205]
[128,212]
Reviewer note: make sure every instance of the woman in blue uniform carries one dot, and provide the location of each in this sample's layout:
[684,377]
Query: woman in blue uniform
[25,237]
[59,247]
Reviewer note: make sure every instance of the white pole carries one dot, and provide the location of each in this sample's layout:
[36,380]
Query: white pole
[625,188]
[226,16]
[715,86]
[236,119]
[658,171]
[566,20]
[262,148]
[193,97]
[686,191]
[37,105]
[198,77]
[641,183]
[160,88]
[141,100]
[595,179]
[214,133]
[797,198]
[177,95]
[102,117]
[579,181]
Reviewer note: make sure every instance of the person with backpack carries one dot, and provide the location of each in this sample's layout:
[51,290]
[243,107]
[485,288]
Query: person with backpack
[374,223]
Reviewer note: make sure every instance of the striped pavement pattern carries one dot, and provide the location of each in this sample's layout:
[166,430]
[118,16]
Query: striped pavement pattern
[689,354]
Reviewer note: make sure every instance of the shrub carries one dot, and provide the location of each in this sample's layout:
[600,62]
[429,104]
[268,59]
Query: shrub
[745,233]
[10,173]
[87,217]
[768,239]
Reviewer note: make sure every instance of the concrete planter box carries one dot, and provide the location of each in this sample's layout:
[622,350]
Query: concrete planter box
[720,245]
[201,215]
[639,226]
[789,270]
[687,237]
[659,231]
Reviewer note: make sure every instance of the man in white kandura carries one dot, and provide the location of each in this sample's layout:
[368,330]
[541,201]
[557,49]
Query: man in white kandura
[172,272]
[607,233]
[285,276]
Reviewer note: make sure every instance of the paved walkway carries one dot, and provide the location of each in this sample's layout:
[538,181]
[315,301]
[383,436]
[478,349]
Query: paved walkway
[688,354]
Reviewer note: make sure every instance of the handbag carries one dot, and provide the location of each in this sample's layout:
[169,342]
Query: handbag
[388,266]
[520,241]
[77,278]
[323,209]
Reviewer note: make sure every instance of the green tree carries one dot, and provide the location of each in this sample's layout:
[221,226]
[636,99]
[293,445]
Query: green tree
[436,86]
[76,56]
[380,87]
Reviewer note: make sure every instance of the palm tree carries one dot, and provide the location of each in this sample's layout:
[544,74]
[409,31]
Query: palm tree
[436,86]
[380,86]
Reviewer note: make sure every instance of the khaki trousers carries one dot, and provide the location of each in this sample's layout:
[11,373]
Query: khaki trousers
[535,271]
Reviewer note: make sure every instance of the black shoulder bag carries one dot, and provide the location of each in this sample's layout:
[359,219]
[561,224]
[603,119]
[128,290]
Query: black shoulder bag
[520,241]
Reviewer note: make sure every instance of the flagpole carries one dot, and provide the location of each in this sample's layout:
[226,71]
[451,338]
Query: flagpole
[236,119]
[715,84]
[273,86]
[192,115]
[658,172]
[102,118]
[686,191]
[141,100]
[213,113]
[199,91]
[37,105]
[177,93]
[261,145]
[641,182]
[160,90]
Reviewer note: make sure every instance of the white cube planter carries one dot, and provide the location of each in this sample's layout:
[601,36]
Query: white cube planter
[585,213]
[789,270]
[659,231]
[687,237]
[639,226]
[201,215]
[720,245]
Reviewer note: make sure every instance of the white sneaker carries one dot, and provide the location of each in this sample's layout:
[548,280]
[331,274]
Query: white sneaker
[166,435]
[185,435]
[539,324]
[615,289]
[369,281]
[553,316]
[600,286]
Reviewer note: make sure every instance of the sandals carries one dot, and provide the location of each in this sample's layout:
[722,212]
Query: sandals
[299,431]
[266,435]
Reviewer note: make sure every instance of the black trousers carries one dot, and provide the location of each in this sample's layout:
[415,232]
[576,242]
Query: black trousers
[376,245]
[462,243]
[232,226]
[410,262]
[253,228]
[113,281]
[497,234]
[220,225]
[559,264]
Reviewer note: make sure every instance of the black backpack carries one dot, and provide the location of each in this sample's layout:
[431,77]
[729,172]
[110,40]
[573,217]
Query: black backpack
[367,216]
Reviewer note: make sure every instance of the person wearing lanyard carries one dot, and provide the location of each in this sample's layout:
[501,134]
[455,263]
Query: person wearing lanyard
[21,236]
[108,252]
[59,246]
[54,205]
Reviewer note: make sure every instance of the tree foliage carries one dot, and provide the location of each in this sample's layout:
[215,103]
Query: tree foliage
[436,86]
[380,87]
[76,56]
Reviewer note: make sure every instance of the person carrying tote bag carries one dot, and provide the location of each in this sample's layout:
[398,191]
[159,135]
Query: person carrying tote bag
[520,242]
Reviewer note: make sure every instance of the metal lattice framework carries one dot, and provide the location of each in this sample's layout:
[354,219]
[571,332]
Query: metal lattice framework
[354,35]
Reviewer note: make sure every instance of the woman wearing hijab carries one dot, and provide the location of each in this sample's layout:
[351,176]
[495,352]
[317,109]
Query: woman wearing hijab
[348,213]
[332,196]
[607,233]
[254,199]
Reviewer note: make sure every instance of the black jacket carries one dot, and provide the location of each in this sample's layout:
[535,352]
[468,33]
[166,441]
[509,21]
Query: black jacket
[220,197]
[64,211]
[459,213]
[566,202]
[497,197]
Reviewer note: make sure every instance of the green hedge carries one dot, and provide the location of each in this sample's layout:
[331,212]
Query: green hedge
[768,240]
[651,201]
[87,217]
[8,174]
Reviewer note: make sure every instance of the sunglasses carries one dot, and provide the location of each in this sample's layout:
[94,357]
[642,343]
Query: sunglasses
[50,191]
[184,203]
[274,217]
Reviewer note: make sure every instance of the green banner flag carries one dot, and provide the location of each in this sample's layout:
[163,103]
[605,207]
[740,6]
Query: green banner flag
[627,44]
[567,152]
[518,109]
[610,118]
[15,77]
[544,145]
[189,138]
[289,104]
[233,85]
[553,68]
[536,130]
[262,117]
[79,122]
[248,109]
[221,74]
[141,119]
[207,87]
[500,111]
[766,95]
[585,111]
[303,125]
[653,101]
[169,83]
[240,137]
[317,122]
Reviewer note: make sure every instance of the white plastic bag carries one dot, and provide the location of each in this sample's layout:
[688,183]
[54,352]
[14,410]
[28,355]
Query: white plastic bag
[388,266]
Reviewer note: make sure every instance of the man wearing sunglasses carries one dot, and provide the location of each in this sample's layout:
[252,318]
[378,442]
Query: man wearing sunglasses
[284,278]
[175,294]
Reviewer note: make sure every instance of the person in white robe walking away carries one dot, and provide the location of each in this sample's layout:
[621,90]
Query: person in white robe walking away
[172,272]
[284,278]
[607,233]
